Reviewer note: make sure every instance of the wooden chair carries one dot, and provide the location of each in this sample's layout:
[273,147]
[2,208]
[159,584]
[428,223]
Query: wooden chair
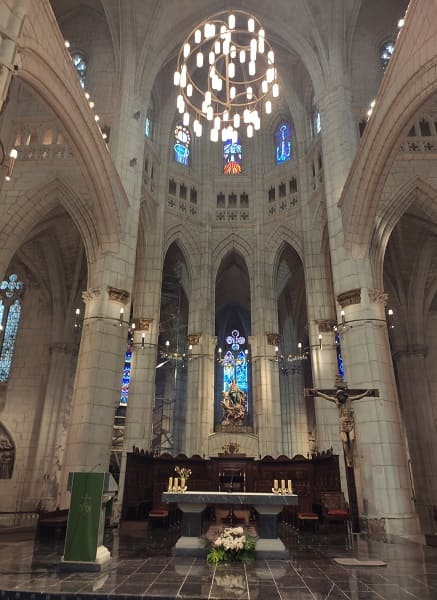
[305,513]
[335,509]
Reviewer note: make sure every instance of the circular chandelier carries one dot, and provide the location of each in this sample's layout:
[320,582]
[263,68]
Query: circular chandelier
[226,75]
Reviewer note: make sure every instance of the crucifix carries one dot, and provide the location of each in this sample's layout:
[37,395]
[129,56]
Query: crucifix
[343,397]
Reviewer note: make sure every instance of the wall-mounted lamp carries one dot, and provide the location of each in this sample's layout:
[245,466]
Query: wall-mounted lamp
[390,319]
[120,319]
[9,164]
[77,322]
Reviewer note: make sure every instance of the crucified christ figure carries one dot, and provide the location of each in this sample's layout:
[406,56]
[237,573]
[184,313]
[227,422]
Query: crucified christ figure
[343,400]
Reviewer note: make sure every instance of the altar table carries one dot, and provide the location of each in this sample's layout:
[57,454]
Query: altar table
[267,506]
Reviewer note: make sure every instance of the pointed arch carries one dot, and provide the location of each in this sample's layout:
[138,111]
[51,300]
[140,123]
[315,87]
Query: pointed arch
[30,209]
[414,190]
[232,242]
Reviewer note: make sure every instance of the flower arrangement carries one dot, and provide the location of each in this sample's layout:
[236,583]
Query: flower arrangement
[231,545]
[183,472]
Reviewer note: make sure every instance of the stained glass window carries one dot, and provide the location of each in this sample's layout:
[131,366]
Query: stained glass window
[385,53]
[232,157]
[235,363]
[283,148]
[10,313]
[125,381]
[340,364]
[80,65]
[182,144]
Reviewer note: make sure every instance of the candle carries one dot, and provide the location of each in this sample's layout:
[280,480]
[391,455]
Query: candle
[170,483]
[289,486]
[182,483]
[282,484]
[275,484]
[175,483]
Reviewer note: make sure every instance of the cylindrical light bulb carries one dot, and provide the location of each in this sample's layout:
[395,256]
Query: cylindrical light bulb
[209,113]
[252,67]
[186,119]
[199,60]
[177,78]
[214,135]
[208,97]
[249,93]
[251,25]
[236,120]
[186,50]
[189,90]
[264,86]
[231,69]
[268,107]
[217,123]
[197,36]
[242,56]
[275,90]
[231,21]
[232,93]
[271,57]
[211,58]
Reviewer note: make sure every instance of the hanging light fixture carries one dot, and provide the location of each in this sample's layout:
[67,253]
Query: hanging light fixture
[226,74]
[8,161]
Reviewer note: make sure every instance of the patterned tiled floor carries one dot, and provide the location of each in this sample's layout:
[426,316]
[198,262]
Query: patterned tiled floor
[142,567]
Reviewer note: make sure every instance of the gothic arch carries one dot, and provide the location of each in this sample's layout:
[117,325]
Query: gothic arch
[232,242]
[53,79]
[181,235]
[390,121]
[416,190]
[21,220]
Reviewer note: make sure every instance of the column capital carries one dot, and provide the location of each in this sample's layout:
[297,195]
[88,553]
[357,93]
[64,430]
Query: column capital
[118,295]
[377,296]
[142,323]
[90,294]
[193,339]
[273,339]
[325,325]
[349,297]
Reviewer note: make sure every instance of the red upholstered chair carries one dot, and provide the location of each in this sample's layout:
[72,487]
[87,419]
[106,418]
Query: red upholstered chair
[335,509]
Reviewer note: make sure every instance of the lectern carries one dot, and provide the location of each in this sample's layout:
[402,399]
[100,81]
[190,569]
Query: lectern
[90,494]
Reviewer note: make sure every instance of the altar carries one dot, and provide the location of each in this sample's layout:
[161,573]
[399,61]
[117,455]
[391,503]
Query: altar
[267,506]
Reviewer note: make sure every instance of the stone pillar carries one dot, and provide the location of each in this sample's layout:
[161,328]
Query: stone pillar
[200,395]
[266,403]
[46,461]
[381,470]
[417,409]
[11,22]
[97,384]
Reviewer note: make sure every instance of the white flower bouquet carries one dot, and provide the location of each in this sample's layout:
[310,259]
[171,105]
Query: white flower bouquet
[231,545]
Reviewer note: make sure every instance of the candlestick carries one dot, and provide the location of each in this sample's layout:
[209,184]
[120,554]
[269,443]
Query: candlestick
[282,484]
[182,484]
[175,484]
[290,491]
[170,483]
[275,484]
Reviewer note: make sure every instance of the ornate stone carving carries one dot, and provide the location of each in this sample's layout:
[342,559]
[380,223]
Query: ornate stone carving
[193,339]
[143,324]
[118,295]
[350,297]
[90,294]
[378,296]
[325,325]
[273,339]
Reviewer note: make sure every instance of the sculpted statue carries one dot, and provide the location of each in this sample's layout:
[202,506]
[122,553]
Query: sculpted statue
[234,404]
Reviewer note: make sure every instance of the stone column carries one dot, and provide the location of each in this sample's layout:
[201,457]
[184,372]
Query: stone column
[200,395]
[417,409]
[381,470]
[97,384]
[45,463]
[266,403]
[11,22]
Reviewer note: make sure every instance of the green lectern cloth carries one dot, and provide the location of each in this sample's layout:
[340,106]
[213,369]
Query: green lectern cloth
[84,517]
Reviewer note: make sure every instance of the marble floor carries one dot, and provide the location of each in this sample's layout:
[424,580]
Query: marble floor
[142,567]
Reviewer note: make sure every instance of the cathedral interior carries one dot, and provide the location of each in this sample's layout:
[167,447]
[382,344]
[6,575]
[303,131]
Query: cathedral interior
[179,285]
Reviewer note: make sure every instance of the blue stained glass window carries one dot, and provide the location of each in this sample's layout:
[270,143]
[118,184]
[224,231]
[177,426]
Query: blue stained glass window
[232,157]
[125,381]
[9,337]
[385,53]
[10,313]
[340,363]
[80,65]
[182,144]
[283,147]
[235,363]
